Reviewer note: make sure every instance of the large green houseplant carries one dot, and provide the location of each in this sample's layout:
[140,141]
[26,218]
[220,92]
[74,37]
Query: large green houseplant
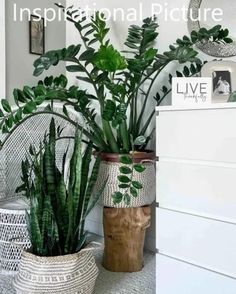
[60,200]
[117,84]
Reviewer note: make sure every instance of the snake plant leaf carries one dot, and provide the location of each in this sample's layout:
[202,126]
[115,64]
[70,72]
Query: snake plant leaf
[62,208]
[91,183]
[85,167]
[77,171]
[82,242]
[94,198]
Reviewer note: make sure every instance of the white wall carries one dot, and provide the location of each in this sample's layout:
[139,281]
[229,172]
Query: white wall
[19,60]
[168,33]
[2,50]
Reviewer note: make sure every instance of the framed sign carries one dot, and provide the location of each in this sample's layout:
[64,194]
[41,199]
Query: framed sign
[223,75]
[37,35]
[191,91]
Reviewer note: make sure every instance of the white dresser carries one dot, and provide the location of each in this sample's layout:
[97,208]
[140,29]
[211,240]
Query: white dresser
[196,193]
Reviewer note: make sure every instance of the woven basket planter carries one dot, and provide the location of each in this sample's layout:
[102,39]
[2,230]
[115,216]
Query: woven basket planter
[13,234]
[68,274]
[109,170]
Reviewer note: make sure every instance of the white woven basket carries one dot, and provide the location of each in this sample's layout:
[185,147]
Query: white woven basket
[109,171]
[13,234]
[68,274]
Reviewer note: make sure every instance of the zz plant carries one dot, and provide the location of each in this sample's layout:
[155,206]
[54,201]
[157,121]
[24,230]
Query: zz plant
[59,200]
[117,82]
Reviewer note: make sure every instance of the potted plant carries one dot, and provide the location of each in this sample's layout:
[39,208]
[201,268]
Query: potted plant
[60,200]
[116,106]
[117,101]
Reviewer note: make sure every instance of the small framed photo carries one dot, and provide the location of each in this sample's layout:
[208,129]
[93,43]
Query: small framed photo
[37,35]
[223,74]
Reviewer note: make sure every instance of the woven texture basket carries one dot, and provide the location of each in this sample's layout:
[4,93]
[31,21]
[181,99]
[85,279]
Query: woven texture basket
[109,171]
[13,234]
[15,148]
[68,274]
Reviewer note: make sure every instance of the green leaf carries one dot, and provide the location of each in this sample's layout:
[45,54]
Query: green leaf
[133,192]
[1,113]
[85,79]
[228,40]
[109,59]
[74,68]
[109,110]
[65,111]
[48,81]
[137,185]
[123,179]
[139,168]
[125,170]
[29,92]
[139,141]
[87,55]
[123,186]
[117,197]
[63,81]
[186,71]
[29,107]
[126,159]
[18,116]
[6,106]
[127,199]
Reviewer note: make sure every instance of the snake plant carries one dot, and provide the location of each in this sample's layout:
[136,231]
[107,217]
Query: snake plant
[60,200]
[120,83]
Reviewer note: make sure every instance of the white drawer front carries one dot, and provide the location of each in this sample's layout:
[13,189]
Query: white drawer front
[198,134]
[198,189]
[176,277]
[204,242]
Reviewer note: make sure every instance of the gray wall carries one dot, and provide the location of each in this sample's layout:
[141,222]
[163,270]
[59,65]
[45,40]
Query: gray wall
[19,61]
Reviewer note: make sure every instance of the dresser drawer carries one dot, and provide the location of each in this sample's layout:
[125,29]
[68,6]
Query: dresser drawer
[204,242]
[197,134]
[198,189]
[176,277]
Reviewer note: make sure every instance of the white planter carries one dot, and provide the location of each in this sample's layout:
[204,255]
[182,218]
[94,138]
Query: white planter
[109,170]
[68,274]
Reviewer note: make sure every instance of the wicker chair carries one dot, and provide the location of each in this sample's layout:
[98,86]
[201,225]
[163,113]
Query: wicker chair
[13,230]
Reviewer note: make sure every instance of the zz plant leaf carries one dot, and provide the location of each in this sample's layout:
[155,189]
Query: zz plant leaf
[128,186]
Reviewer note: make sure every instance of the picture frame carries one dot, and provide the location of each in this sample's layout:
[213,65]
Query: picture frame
[37,35]
[223,74]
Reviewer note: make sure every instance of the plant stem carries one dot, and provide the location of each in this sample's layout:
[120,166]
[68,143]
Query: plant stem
[110,136]
[125,136]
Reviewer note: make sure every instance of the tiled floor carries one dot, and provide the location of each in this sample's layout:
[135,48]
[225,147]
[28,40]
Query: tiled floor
[111,283]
